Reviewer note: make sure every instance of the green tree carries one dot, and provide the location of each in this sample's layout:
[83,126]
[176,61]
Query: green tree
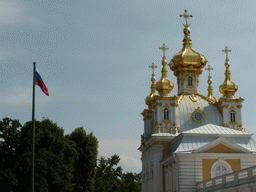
[85,164]
[131,182]
[108,175]
[11,138]
[54,158]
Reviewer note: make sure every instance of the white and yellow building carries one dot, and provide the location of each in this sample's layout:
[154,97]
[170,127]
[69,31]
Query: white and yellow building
[190,137]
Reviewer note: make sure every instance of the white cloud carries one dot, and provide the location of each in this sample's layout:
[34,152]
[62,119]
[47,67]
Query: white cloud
[21,95]
[126,149]
[16,14]
[10,51]
[130,164]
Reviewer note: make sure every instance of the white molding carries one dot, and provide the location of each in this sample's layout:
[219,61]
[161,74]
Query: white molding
[223,141]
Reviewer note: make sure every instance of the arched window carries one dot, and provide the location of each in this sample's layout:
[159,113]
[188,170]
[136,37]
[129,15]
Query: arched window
[166,114]
[232,116]
[219,168]
[189,81]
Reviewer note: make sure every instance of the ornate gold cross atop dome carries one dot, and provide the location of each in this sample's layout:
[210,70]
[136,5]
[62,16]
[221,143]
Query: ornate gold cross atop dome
[164,48]
[186,15]
[226,50]
[153,66]
[209,69]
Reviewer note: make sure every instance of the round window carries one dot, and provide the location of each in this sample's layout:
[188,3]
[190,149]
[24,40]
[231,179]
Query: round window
[198,116]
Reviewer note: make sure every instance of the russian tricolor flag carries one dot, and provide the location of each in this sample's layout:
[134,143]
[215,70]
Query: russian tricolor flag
[40,83]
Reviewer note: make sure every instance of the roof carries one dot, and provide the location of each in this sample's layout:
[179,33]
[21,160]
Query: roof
[190,141]
[186,107]
[211,129]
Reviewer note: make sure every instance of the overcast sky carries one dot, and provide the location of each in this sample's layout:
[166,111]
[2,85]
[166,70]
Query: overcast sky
[93,56]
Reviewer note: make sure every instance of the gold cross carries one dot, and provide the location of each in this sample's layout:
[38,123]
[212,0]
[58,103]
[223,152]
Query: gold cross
[164,48]
[186,15]
[153,67]
[226,50]
[209,69]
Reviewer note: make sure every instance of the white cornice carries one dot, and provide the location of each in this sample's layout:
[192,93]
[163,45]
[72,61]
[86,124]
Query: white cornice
[218,135]
[223,141]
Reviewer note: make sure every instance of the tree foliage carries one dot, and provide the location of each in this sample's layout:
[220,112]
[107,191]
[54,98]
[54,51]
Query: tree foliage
[54,158]
[62,163]
[109,177]
[11,135]
[85,164]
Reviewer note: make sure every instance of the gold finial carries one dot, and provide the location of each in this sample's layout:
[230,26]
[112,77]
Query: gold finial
[153,88]
[209,69]
[186,15]
[153,66]
[226,50]
[210,89]
[164,48]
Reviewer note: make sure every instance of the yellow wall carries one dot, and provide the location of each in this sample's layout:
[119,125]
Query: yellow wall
[234,163]
[207,164]
[220,148]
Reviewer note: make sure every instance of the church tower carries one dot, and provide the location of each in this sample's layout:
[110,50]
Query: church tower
[191,137]
[230,105]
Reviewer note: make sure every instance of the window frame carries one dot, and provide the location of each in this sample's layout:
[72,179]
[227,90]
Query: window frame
[190,81]
[166,114]
[220,162]
[232,114]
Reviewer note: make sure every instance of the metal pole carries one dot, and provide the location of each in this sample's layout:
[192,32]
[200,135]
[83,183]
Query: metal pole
[33,121]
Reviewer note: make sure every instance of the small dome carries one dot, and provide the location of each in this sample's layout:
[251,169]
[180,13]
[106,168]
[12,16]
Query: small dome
[228,87]
[153,91]
[164,86]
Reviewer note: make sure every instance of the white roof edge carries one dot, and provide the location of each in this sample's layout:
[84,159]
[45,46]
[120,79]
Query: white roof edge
[222,135]
[224,141]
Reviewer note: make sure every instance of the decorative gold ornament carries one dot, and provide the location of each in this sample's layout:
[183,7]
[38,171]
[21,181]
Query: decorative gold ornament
[193,97]
[233,124]
[149,99]
[186,16]
[210,89]
[177,129]
[187,59]
[201,113]
[239,106]
[228,87]
[164,86]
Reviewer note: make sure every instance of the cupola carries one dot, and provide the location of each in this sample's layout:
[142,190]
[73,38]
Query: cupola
[149,99]
[228,87]
[164,86]
[187,65]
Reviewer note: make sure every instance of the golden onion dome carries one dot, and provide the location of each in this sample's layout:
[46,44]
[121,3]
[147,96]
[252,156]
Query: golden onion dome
[153,93]
[228,87]
[187,58]
[164,86]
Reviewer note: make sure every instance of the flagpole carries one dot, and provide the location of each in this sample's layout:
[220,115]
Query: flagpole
[33,122]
